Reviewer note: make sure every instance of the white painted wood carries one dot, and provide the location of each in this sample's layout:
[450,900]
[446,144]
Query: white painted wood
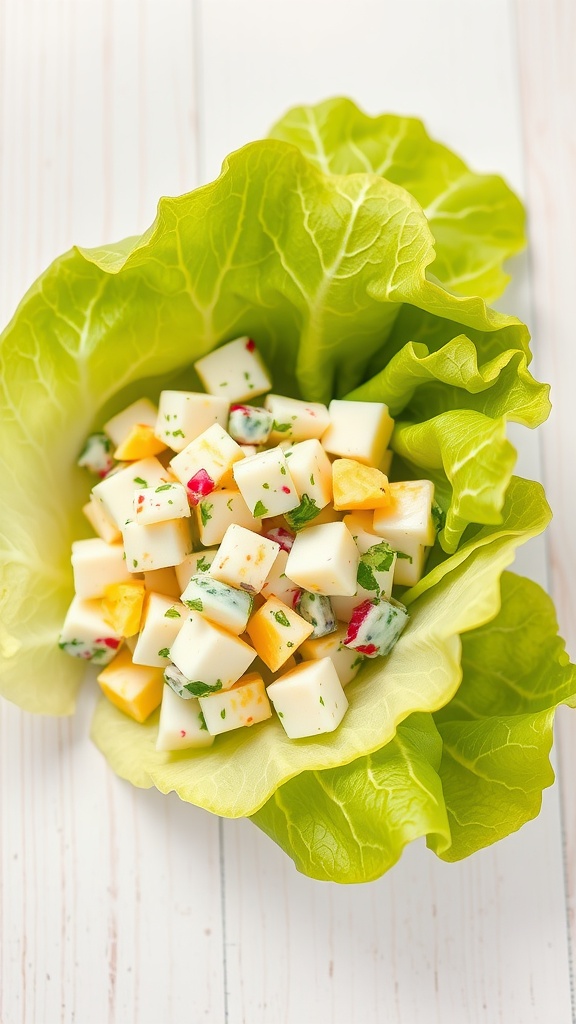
[112,906]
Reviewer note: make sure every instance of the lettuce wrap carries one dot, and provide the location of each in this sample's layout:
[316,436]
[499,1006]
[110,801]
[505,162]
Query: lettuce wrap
[360,255]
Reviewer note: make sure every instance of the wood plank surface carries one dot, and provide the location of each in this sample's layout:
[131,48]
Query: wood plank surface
[119,905]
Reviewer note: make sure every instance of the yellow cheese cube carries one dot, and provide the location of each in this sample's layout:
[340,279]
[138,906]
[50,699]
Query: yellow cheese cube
[276,632]
[139,444]
[358,487]
[122,606]
[135,689]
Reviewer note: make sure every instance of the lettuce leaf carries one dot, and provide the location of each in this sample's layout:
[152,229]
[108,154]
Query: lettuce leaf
[351,824]
[421,674]
[316,267]
[476,220]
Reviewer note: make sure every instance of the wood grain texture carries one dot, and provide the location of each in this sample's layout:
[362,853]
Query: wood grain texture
[119,905]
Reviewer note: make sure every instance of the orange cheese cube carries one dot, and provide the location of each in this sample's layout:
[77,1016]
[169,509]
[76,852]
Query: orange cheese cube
[139,444]
[358,487]
[122,606]
[276,631]
[135,689]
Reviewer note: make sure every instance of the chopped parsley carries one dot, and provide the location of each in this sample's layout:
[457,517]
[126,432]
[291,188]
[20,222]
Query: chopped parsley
[196,605]
[438,517]
[322,702]
[163,487]
[378,558]
[202,721]
[281,618]
[199,689]
[305,512]
[229,504]
[178,433]
[205,512]
[223,713]
[202,565]
[172,613]
[260,510]
[281,428]
[139,480]
[164,652]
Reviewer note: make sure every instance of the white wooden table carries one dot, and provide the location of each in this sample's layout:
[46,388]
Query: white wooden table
[118,905]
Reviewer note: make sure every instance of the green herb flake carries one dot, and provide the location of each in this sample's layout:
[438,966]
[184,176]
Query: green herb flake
[223,713]
[205,512]
[178,433]
[266,487]
[199,689]
[438,517]
[281,428]
[164,652]
[283,470]
[312,479]
[196,604]
[289,644]
[280,714]
[260,510]
[306,511]
[163,487]
[134,562]
[172,613]
[281,618]
[202,565]
[229,504]
[401,554]
[139,480]
[322,702]
[202,721]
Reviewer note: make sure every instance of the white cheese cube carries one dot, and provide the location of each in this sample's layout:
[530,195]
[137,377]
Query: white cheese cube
[234,371]
[203,464]
[85,634]
[224,605]
[160,504]
[161,623]
[197,561]
[182,725]
[156,546]
[184,415]
[265,483]
[244,559]
[324,559]
[410,564]
[294,420]
[277,583]
[311,471]
[276,632]
[218,511]
[309,700]
[141,412]
[101,522]
[346,661]
[408,517]
[372,556]
[209,657]
[358,430]
[95,564]
[116,492]
[244,704]
[162,581]
[249,449]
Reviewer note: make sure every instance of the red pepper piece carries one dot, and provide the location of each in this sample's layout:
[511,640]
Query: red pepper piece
[199,486]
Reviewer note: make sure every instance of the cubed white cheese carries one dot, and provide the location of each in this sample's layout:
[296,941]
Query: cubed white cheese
[184,415]
[294,420]
[182,725]
[277,583]
[358,430]
[309,700]
[156,546]
[140,412]
[197,561]
[161,624]
[244,704]
[234,371]
[244,559]
[160,504]
[224,605]
[408,526]
[95,564]
[101,522]
[265,483]
[218,511]
[116,492]
[210,658]
[203,464]
[311,471]
[85,634]
[346,661]
[324,559]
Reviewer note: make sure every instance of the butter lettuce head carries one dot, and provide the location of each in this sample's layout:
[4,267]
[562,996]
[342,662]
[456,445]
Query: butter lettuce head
[350,288]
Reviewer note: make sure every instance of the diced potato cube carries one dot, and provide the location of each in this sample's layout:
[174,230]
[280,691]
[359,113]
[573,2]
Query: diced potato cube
[116,492]
[162,581]
[309,700]
[295,420]
[357,486]
[211,454]
[198,561]
[142,412]
[85,634]
[156,546]
[224,605]
[140,443]
[244,559]
[220,510]
[277,583]
[135,689]
[161,624]
[244,704]
[209,657]
[160,504]
[324,560]
[358,430]
[95,564]
[184,415]
[234,371]
[249,425]
[266,484]
[346,661]
[101,522]
[276,632]
[122,606]
[182,725]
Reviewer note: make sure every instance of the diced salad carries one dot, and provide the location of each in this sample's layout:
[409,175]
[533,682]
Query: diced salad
[245,554]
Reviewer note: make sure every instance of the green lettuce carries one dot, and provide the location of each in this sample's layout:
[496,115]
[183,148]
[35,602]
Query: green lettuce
[465,777]
[476,220]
